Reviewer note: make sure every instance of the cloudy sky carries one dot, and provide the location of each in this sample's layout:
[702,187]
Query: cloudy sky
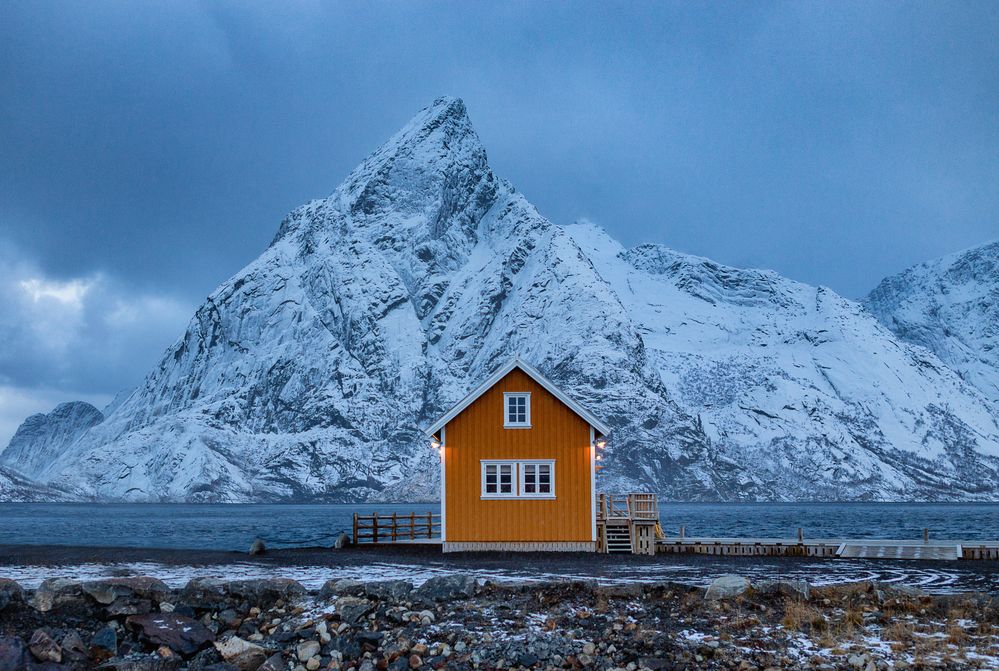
[148,151]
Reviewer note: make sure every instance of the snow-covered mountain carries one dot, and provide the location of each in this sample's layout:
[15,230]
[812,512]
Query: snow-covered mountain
[951,307]
[42,438]
[308,375]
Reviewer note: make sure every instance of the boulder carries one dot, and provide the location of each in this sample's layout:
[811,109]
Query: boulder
[727,587]
[446,588]
[60,593]
[242,654]
[73,648]
[44,648]
[342,541]
[341,587]
[352,609]
[181,634]
[104,644]
[264,593]
[10,593]
[388,590]
[127,596]
[205,593]
[796,589]
[258,547]
[13,654]
[274,663]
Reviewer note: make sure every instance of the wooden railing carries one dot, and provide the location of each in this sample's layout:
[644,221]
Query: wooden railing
[375,528]
[628,507]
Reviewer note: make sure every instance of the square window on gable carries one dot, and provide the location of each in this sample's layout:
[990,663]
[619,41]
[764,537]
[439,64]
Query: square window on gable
[517,410]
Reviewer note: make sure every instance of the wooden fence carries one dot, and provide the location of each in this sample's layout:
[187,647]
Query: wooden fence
[397,527]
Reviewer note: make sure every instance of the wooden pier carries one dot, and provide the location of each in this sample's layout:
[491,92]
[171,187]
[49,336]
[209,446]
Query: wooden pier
[860,548]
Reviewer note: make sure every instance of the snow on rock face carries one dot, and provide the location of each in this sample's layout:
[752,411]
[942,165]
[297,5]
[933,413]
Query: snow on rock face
[42,438]
[308,375]
[950,306]
[802,390]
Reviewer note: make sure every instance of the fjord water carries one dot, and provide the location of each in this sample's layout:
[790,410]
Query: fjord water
[233,527]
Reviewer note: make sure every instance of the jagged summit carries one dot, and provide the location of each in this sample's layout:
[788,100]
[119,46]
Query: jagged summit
[430,170]
[308,374]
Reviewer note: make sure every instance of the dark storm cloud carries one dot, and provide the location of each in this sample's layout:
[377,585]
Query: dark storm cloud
[158,145]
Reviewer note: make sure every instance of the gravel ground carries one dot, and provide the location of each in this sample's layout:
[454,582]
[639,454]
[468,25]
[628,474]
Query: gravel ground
[30,564]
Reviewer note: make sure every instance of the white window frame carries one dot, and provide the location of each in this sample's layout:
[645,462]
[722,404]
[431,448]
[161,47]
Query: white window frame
[507,424]
[517,478]
[522,480]
[513,478]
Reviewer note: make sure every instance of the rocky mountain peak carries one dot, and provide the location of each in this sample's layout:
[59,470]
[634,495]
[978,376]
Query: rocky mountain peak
[41,437]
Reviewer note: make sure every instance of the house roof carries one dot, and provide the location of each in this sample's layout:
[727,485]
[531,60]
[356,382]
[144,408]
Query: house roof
[534,374]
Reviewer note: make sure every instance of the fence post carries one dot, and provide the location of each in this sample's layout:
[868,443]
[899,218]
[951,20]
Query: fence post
[412,526]
[374,527]
[801,535]
[430,524]
[355,528]
[683,532]
[926,535]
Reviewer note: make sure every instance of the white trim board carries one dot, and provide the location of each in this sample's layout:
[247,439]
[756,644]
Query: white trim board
[534,374]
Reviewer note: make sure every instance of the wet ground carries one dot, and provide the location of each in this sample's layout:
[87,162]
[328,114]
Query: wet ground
[30,564]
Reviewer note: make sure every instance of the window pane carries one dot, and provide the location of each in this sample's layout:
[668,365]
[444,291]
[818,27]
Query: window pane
[491,479]
[530,479]
[506,479]
[545,478]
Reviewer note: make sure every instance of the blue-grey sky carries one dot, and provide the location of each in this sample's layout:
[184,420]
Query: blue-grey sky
[149,150]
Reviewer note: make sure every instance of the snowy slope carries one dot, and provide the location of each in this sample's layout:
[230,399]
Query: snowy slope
[308,375]
[951,307]
[41,438]
[799,386]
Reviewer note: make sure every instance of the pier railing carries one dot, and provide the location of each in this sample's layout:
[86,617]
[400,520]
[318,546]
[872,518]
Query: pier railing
[636,506]
[396,528]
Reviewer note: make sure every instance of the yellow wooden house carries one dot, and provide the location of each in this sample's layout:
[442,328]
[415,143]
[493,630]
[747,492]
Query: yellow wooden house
[518,466]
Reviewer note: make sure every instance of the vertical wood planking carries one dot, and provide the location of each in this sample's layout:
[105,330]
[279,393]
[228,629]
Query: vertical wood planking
[556,433]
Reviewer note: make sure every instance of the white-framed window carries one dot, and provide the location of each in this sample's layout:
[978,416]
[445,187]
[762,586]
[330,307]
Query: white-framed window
[517,410]
[499,479]
[527,479]
[537,479]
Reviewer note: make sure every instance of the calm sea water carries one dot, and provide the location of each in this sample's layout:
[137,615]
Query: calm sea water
[233,527]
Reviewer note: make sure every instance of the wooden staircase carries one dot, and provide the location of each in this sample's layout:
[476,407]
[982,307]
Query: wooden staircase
[618,539]
[627,523]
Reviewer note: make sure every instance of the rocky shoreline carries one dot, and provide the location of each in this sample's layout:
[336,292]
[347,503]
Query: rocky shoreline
[460,622]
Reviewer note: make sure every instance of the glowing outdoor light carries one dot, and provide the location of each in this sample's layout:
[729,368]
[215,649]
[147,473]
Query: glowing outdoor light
[601,443]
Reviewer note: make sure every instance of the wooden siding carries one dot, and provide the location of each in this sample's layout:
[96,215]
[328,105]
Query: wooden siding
[556,433]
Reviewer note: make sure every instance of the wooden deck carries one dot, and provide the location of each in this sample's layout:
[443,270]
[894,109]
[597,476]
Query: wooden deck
[628,523]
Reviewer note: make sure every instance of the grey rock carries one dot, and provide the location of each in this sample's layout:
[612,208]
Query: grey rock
[242,654]
[306,650]
[352,609]
[446,588]
[341,587]
[10,593]
[265,593]
[726,587]
[104,644]
[44,648]
[798,589]
[182,634]
[59,593]
[274,663]
[13,654]
[393,590]
[258,547]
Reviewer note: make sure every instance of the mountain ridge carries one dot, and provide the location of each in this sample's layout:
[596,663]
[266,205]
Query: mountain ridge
[309,373]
